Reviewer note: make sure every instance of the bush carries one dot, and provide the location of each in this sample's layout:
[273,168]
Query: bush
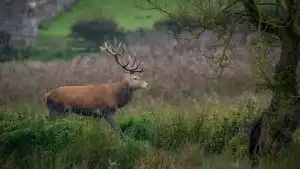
[66,142]
[44,25]
[97,31]
[21,138]
[137,127]
[79,143]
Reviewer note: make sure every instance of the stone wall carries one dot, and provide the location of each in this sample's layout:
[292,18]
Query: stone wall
[20,18]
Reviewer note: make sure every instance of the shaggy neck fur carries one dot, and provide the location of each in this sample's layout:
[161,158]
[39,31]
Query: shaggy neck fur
[125,94]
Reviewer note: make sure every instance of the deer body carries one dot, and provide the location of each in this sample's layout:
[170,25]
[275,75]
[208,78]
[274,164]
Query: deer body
[114,95]
[98,100]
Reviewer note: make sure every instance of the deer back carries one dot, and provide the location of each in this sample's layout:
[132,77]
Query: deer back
[79,96]
[112,95]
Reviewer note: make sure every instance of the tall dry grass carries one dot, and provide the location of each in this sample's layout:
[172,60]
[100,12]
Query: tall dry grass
[175,71]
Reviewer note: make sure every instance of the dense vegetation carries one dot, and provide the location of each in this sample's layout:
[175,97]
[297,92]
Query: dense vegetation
[157,138]
[184,121]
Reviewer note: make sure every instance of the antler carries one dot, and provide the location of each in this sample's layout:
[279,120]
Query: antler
[117,54]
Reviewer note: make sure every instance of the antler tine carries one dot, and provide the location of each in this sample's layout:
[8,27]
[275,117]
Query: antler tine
[119,46]
[117,54]
[137,68]
[123,45]
[136,64]
[125,63]
[134,61]
[129,58]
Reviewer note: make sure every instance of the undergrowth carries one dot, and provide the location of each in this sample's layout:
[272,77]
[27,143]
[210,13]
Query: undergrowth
[189,139]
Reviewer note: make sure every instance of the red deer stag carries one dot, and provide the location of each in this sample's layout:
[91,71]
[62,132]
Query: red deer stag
[98,100]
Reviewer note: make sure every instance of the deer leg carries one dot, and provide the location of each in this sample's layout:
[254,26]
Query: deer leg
[55,109]
[52,115]
[109,117]
[98,113]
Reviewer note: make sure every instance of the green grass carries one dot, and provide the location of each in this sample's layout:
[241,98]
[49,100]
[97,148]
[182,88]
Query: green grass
[125,13]
[160,137]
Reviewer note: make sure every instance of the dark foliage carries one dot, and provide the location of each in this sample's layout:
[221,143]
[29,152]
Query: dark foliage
[137,128]
[97,31]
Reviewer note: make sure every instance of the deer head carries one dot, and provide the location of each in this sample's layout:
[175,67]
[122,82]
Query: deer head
[133,80]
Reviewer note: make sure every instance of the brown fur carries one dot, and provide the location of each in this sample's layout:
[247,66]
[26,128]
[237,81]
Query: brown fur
[88,96]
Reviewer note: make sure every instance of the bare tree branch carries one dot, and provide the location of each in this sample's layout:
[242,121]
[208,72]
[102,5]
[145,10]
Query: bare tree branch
[259,19]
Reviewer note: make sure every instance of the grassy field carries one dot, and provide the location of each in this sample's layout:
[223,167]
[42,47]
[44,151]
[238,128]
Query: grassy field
[125,13]
[183,121]
[158,136]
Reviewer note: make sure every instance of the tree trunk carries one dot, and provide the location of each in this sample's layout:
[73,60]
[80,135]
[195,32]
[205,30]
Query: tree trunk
[277,124]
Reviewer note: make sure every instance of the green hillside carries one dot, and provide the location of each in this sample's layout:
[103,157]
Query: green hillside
[125,13]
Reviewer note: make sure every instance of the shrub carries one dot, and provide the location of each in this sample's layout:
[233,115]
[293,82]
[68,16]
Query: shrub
[137,127]
[27,142]
[97,31]
[172,134]
[44,25]
[21,138]
[64,143]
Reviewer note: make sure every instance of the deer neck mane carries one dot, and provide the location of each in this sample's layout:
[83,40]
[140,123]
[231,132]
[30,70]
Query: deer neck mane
[124,94]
